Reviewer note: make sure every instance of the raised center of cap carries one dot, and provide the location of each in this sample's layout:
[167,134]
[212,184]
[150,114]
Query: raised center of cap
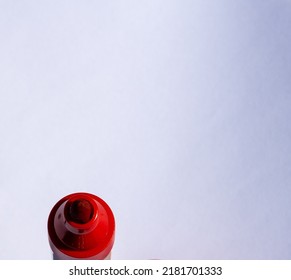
[81,211]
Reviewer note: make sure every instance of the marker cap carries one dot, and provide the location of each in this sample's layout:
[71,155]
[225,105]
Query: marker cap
[81,226]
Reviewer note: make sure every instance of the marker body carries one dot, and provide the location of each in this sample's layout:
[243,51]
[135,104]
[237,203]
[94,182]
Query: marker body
[81,226]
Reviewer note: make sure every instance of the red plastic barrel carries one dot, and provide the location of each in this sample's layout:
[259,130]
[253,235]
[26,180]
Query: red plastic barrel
[81,226]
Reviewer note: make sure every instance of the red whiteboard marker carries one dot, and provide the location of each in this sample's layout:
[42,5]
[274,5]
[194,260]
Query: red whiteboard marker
[81,226]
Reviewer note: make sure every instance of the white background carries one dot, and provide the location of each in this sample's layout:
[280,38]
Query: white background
[176,113]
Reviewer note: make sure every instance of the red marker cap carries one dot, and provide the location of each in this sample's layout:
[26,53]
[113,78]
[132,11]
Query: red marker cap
[81,226]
